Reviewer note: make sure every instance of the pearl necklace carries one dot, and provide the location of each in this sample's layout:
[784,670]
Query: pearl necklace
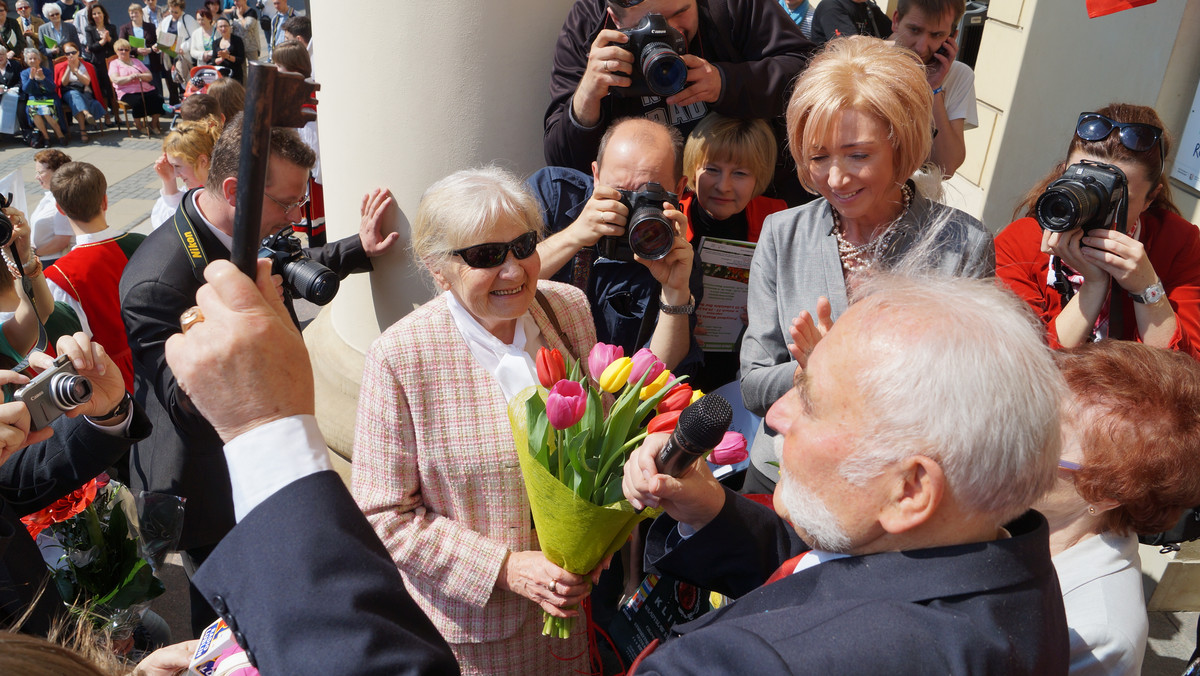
[859,257]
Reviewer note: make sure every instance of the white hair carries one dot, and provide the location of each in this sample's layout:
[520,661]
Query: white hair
[462,208]
[49,8]
[971,384]
[809,513]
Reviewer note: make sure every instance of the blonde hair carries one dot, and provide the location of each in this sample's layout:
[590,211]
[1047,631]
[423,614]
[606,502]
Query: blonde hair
[746,143]
[873,77]
[121,43]
[190,140]
[462,208]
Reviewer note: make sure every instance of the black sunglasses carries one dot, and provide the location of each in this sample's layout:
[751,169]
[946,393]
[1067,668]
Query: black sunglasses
[1136,136]
[70,53]
[492,254]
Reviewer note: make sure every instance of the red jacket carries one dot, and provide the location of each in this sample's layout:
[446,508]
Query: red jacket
[60,72]
[1172,245]
[756,212]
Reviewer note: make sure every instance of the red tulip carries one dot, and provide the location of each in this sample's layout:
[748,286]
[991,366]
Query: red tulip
[730,451]
[550,367]
[664,422]
[677,399]
[566,404]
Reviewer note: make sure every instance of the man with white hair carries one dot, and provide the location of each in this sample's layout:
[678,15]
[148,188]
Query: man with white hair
[914,443]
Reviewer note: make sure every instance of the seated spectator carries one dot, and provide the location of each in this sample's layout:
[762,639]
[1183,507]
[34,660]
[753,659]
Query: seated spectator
[86,279]
[230,95]
[29,22]
[928,27]
[148,53]
[843,18]
[1128,427]
[199,106]
[52,232]
[41,98]
[742,58]
[902,539]
[187,155]
[1153,256]
[132,80]
[12,38]
[79,87]
[728,164]
[635,304]
[292,57]
[55,31]
[228,49]
[859,126]
[10,72]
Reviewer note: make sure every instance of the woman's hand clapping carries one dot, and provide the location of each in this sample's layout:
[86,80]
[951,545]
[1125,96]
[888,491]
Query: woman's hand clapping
[806,333]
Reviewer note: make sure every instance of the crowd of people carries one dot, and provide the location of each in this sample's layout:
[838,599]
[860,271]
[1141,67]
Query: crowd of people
[954,433]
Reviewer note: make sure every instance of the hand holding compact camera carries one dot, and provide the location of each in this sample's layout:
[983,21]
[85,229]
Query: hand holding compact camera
[52,393]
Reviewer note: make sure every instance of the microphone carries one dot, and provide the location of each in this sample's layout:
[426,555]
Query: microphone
[701,427]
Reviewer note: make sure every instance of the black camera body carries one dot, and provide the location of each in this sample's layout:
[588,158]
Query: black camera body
[658,68]
[302,276]
[1089,195]
[6,226]
[53,392]
[648,231]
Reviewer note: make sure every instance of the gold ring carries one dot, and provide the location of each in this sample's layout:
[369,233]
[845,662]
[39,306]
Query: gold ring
[190,318]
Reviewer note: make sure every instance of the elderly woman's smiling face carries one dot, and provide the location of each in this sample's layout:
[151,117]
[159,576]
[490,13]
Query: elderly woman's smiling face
[495,297]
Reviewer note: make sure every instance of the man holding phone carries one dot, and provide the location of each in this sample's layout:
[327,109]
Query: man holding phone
[929,28]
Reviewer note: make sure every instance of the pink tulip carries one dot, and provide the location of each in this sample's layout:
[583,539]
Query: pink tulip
[601,356]
[566,404]
[730,451]
[644,361]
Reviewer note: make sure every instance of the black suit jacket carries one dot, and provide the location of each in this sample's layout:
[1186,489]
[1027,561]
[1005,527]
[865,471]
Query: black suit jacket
[34,478]
[184,456]
[307,588]
[991,607]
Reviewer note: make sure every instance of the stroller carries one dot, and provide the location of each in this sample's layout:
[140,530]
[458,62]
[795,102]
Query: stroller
[199,78]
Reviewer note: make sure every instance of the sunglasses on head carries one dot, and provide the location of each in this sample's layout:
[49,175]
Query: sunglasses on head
[492,254]
[1136,136]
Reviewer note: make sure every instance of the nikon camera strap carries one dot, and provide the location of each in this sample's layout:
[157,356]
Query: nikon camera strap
[185,220]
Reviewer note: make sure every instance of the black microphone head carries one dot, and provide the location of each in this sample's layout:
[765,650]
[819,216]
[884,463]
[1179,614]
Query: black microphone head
[704,423]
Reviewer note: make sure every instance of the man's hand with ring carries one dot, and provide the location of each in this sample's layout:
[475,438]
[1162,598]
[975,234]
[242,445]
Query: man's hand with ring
[608,65]
[245,364]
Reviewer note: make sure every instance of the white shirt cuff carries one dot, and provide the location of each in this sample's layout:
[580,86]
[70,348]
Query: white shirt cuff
[269,457]
[121,429]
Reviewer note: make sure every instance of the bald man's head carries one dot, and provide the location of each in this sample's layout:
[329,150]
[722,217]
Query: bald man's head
[636,151]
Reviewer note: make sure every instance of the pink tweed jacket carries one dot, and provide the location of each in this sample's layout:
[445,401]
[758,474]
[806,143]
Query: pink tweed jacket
[435,470]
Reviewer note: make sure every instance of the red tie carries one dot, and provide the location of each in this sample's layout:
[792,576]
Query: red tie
[786,569]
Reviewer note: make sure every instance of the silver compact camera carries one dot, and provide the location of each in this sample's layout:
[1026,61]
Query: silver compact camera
[55,391]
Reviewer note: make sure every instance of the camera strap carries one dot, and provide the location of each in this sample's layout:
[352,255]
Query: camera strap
[184,221]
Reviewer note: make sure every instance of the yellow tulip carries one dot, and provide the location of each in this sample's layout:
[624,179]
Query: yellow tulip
[616,375]
[652,388]
[696,394]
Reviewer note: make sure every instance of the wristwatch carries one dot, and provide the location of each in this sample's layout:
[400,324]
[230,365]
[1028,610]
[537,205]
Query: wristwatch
[678,309]
[1153,293]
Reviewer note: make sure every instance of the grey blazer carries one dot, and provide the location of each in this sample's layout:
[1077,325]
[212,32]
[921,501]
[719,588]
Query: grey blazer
[797,261]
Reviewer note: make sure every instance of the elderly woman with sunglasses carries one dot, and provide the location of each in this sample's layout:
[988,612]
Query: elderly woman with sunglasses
[435,470]
[1151,264]
[1120,475]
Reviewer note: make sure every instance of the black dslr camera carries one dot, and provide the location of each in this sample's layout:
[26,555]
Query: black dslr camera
[1089,195]
[55,391]
[658,69]
[6,226]
[648,232]
[302,276]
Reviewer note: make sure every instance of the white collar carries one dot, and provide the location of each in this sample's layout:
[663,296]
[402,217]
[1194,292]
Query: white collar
[227,240]
[1093,557]
[512,364]
[93,237]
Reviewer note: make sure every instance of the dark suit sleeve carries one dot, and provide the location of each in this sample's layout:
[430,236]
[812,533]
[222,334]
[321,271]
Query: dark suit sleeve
[39,474]
[564,143]
[734,554]
[345,256]
[771,53]
[307,588]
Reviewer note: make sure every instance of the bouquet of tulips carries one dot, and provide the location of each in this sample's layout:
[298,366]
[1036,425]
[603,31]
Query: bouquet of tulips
[572,451]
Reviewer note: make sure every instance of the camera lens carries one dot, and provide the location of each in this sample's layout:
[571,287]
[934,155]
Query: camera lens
[1068,204]
[664,70]
[69,391]
[650,234]
[310,280]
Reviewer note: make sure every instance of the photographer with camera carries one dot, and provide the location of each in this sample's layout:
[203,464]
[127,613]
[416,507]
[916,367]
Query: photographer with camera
[183,457]
[672,61]
[628,206]
[1112,257]
[39,466]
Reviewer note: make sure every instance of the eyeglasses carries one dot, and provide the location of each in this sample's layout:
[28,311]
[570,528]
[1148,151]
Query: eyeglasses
[1136,136]
[1068,465]
[77,53]
[294,205]
[493,254]
[119,49]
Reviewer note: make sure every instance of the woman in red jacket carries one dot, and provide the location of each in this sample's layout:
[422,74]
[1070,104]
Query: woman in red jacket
[1068,277]
[79,86]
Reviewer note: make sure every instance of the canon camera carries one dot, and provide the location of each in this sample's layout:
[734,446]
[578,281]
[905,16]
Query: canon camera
[658,68]
[53,392]
[1089,195]
[648,231]
[302,276]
